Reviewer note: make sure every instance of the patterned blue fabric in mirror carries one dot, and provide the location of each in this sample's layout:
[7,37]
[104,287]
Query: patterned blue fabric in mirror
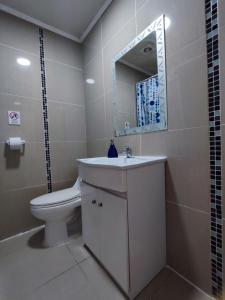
[147,97]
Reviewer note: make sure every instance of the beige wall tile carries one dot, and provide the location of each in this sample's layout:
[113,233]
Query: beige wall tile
[60,185]
[115,17]
[96,125]
[113,47]
[19,34]
[154,9]
[109,114]
[181,31]
[94,70]
[97,148]
[133,141]
[15,216]
[67,122]
[221,12]
[92,43]
[187,172]
[63,159]
[64,83]
[188,244]
[31,128]
[186,143]
[187,96]
[177,288]
[154,143]
[20,171]
[20,89]
[63,50]
[17,79]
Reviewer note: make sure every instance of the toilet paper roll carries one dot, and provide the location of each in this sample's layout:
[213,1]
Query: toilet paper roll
[15,143]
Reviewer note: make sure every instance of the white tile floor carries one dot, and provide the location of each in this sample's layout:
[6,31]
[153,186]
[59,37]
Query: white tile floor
[68,272]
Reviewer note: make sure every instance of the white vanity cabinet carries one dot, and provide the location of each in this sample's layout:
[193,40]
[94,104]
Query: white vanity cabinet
[124,226]
[105,232]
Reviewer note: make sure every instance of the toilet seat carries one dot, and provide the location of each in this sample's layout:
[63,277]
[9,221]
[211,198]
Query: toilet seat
[56,198]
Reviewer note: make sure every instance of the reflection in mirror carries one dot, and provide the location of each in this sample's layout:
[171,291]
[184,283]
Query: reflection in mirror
[139,83]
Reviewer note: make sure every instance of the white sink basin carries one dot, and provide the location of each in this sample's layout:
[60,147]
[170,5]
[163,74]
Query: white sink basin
[121,162]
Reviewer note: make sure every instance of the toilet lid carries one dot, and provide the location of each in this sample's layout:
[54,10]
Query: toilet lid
[56,198]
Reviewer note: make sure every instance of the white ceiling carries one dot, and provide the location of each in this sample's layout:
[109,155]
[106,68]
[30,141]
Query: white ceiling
[70,18]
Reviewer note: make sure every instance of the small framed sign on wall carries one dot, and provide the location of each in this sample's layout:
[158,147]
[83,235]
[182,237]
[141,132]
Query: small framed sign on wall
[14,118]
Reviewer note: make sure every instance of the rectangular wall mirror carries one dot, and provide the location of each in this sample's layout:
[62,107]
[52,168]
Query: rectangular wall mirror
[139,83]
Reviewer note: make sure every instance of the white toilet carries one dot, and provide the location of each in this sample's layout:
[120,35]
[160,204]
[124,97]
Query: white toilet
[56,209]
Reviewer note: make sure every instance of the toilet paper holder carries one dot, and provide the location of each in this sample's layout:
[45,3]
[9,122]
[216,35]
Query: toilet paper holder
[15,144]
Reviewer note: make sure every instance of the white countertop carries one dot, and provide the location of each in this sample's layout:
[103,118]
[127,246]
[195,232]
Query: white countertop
[121,162]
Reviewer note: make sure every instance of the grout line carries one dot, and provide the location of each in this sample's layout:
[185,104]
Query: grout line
[190,282]
[68,141]
[19,96]
[188,207]
[163,131]
[96,100]
[36,55]
[140,141]
[140,7]
[135,16]
[103,80]
[54,277]
[91,59]
[83,260]
[19,50]
[27,142]
[61,63]
[71,254]
[66,103]
[188,128]
[188,45]
[99,140]
[21,234]
[117,33]
[24,188]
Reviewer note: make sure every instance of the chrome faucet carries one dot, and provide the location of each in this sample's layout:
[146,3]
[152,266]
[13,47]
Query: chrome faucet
[128,151]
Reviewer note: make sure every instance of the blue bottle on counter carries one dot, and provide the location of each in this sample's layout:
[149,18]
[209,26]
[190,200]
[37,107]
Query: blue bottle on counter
[112,150]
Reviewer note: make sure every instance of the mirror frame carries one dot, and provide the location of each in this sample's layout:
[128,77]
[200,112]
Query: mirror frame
[159,27]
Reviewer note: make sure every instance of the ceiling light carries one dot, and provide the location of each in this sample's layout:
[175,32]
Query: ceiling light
[147,49]
[23,61]
[167,22]
[90,81]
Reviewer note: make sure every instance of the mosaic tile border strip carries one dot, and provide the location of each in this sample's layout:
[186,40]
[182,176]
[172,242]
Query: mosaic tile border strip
[211,10]
[45,110]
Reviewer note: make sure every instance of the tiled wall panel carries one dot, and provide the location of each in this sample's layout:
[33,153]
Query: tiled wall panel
[53,123]
[186,143]
[22,177]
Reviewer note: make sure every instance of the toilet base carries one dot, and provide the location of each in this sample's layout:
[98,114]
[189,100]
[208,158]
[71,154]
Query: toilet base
[55,234]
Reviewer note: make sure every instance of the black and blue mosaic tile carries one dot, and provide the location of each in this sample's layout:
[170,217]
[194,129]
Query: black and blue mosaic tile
[45,111]
[211,10]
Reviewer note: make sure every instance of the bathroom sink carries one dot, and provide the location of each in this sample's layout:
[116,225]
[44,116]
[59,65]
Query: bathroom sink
[121,162]
[111,173]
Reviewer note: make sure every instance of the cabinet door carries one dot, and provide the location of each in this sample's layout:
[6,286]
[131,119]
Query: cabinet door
[114,237]
[90,218]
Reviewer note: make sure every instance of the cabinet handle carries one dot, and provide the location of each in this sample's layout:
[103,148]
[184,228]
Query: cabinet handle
[93,201]
[100,204]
